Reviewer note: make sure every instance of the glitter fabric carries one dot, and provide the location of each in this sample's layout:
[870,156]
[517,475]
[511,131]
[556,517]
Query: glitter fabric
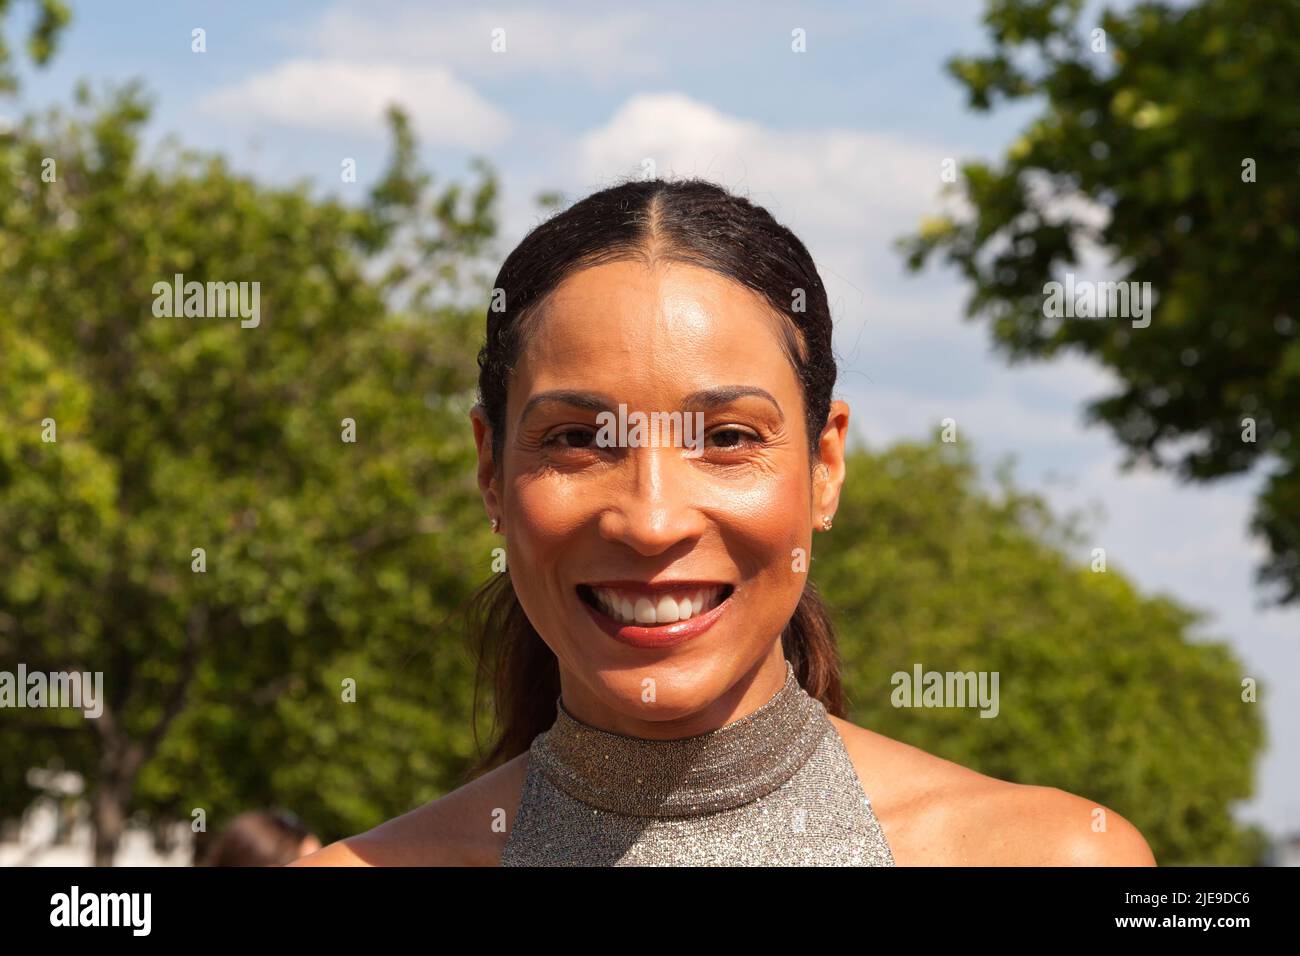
[774,788]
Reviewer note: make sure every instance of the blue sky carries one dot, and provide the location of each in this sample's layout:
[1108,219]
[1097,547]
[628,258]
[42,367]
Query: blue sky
[843,143]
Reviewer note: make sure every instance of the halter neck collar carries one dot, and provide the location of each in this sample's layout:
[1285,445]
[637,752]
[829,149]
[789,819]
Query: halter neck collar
[723,768]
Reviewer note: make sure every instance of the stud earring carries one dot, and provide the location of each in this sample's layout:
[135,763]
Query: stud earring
[826,522]
[496,523]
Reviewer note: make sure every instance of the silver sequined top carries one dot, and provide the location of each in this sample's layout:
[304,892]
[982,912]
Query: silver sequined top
[774,788]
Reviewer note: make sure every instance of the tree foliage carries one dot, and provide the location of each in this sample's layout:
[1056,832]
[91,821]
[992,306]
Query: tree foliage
[1183,133]
[51,18]
[324,559]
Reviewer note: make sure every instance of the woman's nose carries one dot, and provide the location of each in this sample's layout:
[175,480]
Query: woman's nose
[654,506]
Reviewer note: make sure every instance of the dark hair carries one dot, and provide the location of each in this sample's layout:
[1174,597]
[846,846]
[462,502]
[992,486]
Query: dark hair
[689,221]
[258,838]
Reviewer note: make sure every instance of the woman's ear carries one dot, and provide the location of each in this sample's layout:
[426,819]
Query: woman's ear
[828,474]
[487,465]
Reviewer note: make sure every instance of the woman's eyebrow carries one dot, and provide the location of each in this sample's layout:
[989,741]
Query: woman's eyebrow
[707,399]
[703,400]
[592,401]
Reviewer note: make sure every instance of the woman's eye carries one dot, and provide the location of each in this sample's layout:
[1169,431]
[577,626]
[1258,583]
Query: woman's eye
[731,437]
[581,438]
[725,439]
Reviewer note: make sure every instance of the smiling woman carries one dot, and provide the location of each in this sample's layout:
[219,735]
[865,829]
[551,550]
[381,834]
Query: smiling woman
[666,678]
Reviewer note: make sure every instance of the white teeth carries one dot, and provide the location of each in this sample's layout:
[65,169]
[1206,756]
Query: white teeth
[645,611]
[629,608]
[666,611]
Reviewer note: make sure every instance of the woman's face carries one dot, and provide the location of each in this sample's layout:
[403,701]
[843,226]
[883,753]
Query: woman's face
[661,575]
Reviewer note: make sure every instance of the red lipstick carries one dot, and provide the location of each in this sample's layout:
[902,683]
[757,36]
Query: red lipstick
[659,636]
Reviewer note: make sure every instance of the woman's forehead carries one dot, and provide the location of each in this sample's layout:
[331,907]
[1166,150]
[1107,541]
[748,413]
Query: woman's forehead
[671,316]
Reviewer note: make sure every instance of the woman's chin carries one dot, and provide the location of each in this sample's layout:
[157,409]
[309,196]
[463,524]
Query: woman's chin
[673,688]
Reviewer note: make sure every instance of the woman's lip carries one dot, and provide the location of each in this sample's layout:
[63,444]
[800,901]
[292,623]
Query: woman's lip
[657,587]
[668,635]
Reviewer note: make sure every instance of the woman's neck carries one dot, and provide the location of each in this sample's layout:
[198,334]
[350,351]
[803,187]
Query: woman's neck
[721,768]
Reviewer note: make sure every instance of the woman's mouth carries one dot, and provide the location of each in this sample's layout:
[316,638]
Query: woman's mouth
[658,616]
[649,608]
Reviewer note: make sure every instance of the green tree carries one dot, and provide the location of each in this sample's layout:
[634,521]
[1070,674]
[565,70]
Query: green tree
[323,559]
[1181,124]
[51,18]
[1102,692]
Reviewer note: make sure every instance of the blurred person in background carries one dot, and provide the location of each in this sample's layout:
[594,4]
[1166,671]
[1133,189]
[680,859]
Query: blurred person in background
[261,838]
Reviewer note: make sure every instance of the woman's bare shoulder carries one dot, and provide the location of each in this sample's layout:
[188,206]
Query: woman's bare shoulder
[938,813]
[467,827]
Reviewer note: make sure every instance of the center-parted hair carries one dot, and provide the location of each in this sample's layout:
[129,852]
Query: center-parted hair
[693,222]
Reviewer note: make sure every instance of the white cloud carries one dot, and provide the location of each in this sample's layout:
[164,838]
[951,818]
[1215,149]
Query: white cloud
[833,184]
[346,97]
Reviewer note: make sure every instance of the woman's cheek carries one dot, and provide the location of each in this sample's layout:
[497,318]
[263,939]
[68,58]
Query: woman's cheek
[541,526]
[552,510]
[767,514]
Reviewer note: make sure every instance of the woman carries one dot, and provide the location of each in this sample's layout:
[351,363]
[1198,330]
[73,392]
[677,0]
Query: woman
[666,676]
